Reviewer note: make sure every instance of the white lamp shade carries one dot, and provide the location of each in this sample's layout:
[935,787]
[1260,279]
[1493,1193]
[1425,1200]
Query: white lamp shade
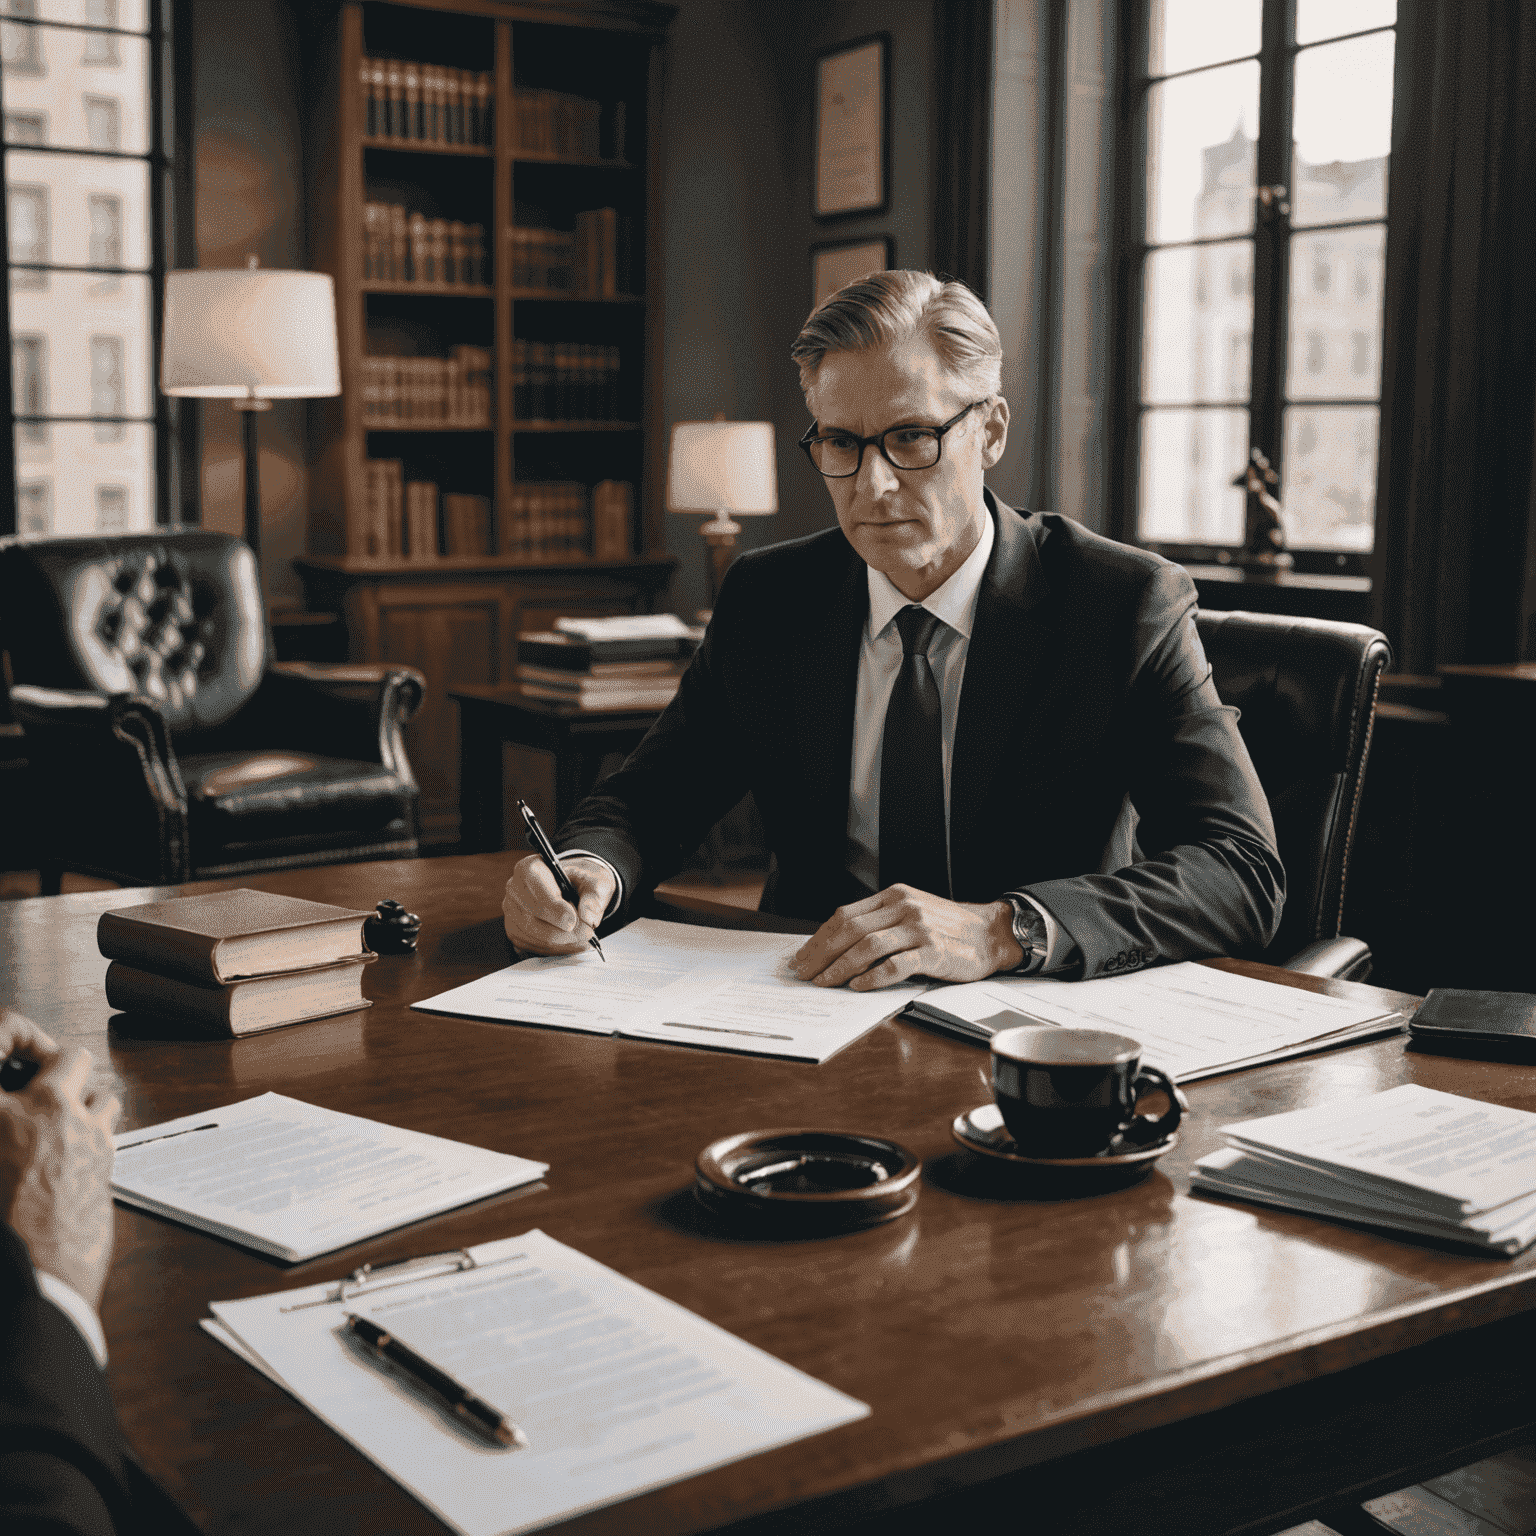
[244,333]
[722,466]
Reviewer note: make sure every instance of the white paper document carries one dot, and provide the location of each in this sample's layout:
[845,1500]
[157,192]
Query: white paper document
[1192,1020]
[1411,1157]
[711,987]
[617,1389]
[294,1180]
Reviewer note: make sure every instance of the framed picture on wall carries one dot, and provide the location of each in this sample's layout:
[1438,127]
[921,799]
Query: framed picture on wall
[844,261]
[853,131]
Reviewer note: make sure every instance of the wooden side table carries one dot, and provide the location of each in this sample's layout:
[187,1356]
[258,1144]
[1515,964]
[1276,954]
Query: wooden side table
[578,737]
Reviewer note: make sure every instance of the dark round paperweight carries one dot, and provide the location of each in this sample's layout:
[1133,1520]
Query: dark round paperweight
[393,931]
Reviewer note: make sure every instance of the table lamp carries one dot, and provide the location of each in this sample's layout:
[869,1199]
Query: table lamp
[722,467]
[249,336]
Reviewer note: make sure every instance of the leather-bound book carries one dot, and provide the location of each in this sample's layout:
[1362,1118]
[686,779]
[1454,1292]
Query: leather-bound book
[241,1007]
[225,935]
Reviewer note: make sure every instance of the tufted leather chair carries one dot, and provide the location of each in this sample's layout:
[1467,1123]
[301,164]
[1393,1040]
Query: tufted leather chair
[1307,692]
[165,745]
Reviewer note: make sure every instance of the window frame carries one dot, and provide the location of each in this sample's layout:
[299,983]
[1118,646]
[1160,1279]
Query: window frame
[177,438]
[1271,237]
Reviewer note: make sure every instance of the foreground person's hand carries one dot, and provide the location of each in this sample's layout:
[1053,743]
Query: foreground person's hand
[902,932]
[539,919]
[56,1160]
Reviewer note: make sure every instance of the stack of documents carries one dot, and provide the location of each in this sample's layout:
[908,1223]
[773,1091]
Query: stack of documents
[616,1389]
[1411,1158]
[711,987]
[1193,1021]
[294,1180]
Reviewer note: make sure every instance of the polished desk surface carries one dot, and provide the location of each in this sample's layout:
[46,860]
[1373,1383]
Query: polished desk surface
[989,1333]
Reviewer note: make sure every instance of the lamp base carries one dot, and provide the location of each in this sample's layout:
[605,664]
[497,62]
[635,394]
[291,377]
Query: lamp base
[250,408]
[720,534]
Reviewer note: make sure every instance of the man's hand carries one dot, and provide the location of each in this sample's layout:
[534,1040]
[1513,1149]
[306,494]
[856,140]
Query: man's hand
[56,1159]
[539,919]
[902,932]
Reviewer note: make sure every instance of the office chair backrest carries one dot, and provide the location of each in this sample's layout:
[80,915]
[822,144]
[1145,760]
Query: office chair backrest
[1307,692]
[177,618]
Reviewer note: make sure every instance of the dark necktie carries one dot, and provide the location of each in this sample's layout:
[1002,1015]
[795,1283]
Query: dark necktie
[913,842]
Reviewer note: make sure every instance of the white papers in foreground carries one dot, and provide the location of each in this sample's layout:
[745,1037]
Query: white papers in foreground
[1412,1158]
[1193,1020]
[294,1180]
[713,987]
[618,1389]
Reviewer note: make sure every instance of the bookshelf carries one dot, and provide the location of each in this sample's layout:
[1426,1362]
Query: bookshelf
[485,182]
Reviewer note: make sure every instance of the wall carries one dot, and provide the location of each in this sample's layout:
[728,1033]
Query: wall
[250,199]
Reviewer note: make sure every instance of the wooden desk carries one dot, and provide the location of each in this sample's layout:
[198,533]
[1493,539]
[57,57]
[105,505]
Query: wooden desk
[1140,1361]
[579,739]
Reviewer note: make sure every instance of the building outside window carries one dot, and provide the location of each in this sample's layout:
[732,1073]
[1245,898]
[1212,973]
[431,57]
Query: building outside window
[86,260]
[1293,196]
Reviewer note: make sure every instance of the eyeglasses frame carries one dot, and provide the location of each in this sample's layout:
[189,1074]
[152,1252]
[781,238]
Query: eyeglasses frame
[812,435]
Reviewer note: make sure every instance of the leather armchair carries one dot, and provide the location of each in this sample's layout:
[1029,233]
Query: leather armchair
[1307,692]
[165,745]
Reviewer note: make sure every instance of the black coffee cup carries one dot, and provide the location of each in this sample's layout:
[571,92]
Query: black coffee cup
[1070,1092]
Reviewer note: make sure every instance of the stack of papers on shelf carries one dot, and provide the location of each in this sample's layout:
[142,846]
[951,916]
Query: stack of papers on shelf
[617,1389]
[1193,1020]
[294,1180]
[711,987]
[628,626]
[1411,1158]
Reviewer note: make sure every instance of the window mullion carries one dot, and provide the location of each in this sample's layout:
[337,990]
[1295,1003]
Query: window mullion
[1271,256]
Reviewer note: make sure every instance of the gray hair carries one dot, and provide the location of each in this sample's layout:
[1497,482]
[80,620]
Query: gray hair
[889,307]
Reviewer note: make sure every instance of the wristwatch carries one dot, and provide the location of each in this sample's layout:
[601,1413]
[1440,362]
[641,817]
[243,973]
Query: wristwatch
[1028,933]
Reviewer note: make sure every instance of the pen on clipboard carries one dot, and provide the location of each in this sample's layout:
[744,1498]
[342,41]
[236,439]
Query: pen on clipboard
[463,1404]
[545,850]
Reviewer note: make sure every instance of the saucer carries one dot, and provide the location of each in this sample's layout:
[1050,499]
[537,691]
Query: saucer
[981,1130]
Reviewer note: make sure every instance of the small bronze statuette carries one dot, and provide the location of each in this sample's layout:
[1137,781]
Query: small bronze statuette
[1263,537]
[393,931]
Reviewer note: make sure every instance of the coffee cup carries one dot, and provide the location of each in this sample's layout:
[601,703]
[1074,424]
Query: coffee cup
[1069,1092]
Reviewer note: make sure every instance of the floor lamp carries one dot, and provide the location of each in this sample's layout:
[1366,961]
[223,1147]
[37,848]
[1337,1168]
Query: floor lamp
[249,336]
[725,468]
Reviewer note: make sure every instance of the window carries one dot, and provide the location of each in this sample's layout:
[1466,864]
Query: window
[27,215]
[100,47]
[29,382]
[107,394]
[1267,125]
[91,179]
[103,122]
[111,508]
[21,46]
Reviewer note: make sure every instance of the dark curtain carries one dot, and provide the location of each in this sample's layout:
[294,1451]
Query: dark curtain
[962,56]
[1453,577]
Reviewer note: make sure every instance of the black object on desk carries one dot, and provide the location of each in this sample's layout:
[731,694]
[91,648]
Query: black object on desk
[1501,1025]
[392,930]
[15,1073]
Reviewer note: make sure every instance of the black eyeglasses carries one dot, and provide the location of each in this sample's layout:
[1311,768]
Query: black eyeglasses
[837,455]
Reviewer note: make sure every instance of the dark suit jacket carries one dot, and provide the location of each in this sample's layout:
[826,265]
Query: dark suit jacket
[63,1466]
[1093,764]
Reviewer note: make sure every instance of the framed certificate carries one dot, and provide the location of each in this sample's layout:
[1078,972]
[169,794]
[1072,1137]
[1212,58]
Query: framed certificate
[844,261]
[852,128]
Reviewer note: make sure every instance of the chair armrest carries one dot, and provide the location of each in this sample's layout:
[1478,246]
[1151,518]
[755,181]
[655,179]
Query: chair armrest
[338,710]
[1342,959]
[107,782]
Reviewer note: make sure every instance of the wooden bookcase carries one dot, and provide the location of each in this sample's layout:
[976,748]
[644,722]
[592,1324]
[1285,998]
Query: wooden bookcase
[456,618]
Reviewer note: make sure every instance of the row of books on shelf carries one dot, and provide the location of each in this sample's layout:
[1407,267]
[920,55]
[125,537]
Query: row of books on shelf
[565,381]
[452,391]
[550,520]
[558,123]
[595,260]
[427,103]
[401,246]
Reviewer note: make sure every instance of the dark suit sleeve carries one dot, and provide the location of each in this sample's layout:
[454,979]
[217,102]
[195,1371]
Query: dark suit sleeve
[647,819]
[1205,878]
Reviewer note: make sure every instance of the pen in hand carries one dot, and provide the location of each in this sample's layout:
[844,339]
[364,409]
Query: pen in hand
[546,852]
[463,1404]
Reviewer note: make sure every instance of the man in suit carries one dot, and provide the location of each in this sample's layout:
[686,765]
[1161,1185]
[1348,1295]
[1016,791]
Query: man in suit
[63,1465]
[979,740]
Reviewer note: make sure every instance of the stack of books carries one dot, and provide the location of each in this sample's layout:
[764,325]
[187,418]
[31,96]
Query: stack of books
[607,663]
[429,103]
[546,520]
[235,962]
[452,391]
[1411,1159]
[401,246]
[565,381]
